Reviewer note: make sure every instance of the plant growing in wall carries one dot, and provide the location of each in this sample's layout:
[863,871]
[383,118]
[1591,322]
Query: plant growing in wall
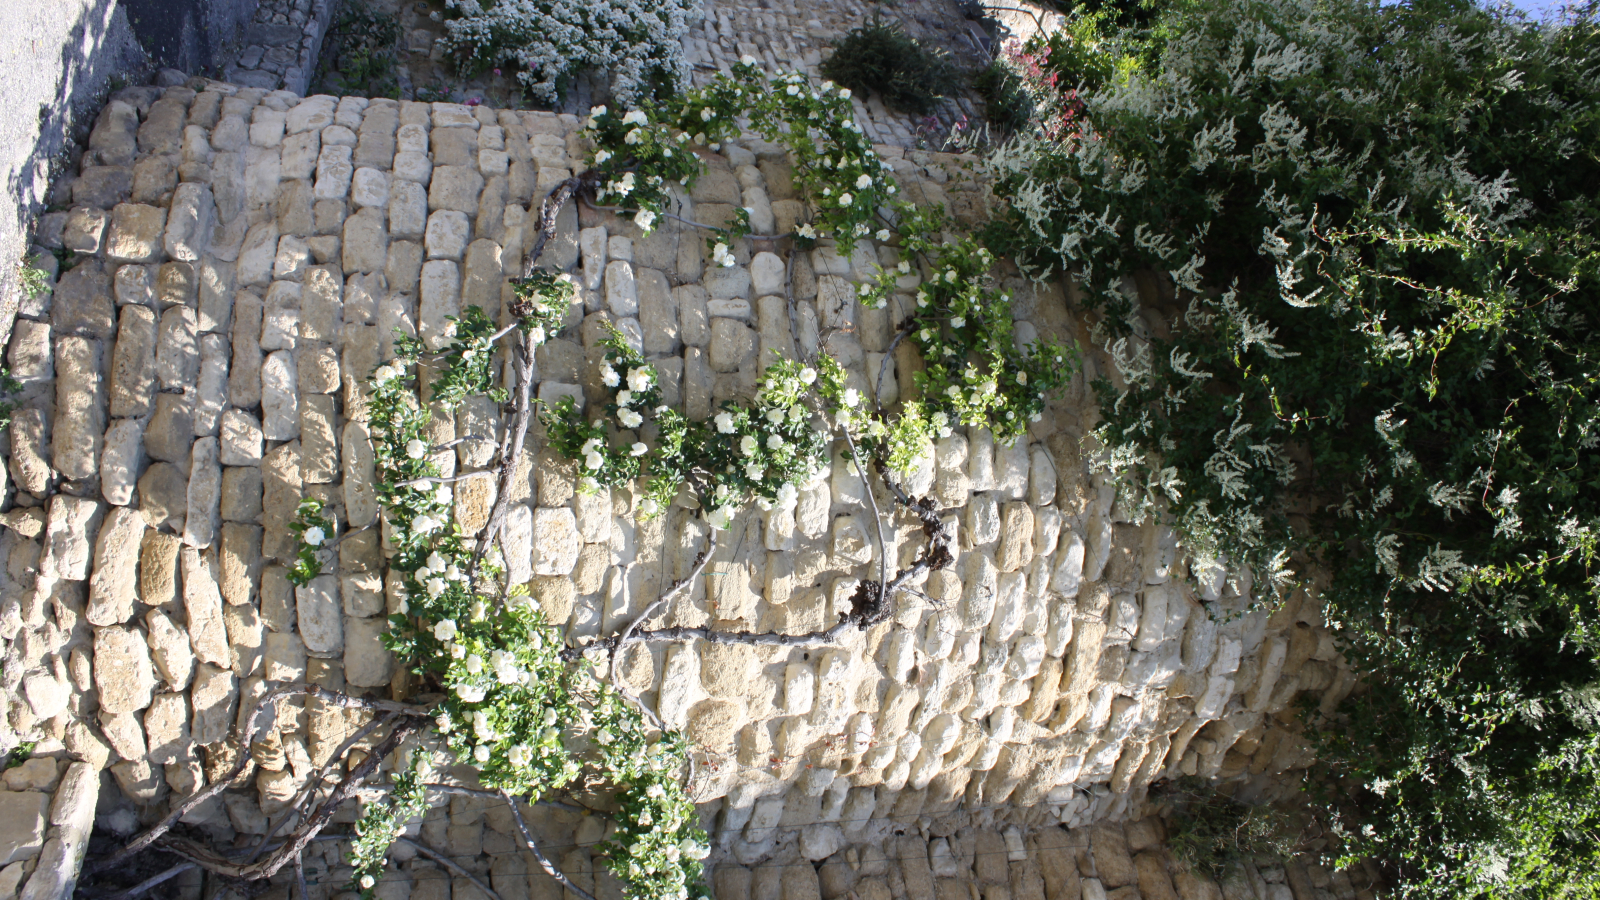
[537,717]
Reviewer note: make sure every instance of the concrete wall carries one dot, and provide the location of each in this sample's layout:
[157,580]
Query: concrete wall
[57,58]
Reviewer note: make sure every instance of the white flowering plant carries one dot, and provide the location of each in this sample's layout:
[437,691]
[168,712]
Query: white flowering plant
[542,300]
[384,821]
[463,365]
[639,42]
[312,531]
[1343,259]
[526,718]
[834,160]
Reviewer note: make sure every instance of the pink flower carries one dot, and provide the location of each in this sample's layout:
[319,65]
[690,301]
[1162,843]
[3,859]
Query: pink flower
[474,101]
[497,73]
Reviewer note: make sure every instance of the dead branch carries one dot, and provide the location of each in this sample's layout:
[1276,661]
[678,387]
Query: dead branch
[450,864]
[296,843]
[544,862]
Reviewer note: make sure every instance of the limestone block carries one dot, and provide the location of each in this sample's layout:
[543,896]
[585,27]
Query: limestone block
[280,405]
[266,127]
[205,494]
[120,462]
[178,351]
[556,541]
[983,519]
[202,603]
[280,322]
[360,497]
[136,233]
[70,530]
[799,689]
[258,254]
[366,241]
[29,451]
[732,345]
[240,439]
[1016,537]
[319,615]
[369,187]
[85,230]
[482,277]
[170,432]
[215,699]
[190,222]
[166,727]
[30,354]
[299,155]
[122,670]
[293,256]
[319,449]
[455,187]
[408,209]
[112,589]
[80,415]
[211,387]
[244,375]
[622,293]
[850,545]
[367,662]
[334,172]
[412,166]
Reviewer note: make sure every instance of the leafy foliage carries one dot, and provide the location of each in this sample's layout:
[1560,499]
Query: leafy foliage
[638,41]
[881,58]
[1381,358]
[359,53]
[1211,831]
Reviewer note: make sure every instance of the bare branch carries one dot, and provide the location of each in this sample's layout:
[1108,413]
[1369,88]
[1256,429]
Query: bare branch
[544,862]
[139,889]
[450,864]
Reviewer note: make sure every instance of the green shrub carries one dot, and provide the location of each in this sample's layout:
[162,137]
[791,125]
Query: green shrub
[359,52]
[1210,831]
[1007,104]
[882,59]
[1382,364]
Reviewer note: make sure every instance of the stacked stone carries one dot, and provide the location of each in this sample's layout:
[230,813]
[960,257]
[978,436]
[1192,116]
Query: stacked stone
[245,259]
[792,36]
[282,44]
[956,858]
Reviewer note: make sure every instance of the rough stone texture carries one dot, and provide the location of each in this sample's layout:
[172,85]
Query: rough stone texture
[202,380]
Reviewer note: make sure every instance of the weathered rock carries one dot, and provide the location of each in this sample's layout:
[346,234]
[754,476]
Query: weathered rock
[80,418]
[121,461]
[69,537]
[367,662]
[122,669]
[556,541]
[214,698]
[112,590]
[205,494]
[170,649]
[202,603]
[164,496]
[166,728]
[319,615]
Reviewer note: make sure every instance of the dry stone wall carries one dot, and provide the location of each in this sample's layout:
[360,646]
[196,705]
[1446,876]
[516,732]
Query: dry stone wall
[244,258]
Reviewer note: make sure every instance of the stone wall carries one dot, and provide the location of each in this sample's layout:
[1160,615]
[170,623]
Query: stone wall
[244,260]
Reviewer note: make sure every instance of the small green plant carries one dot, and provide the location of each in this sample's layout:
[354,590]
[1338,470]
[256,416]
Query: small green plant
[437,92]
[312,530]
[1215,833]
[35,282]
[882,58]
[19,754]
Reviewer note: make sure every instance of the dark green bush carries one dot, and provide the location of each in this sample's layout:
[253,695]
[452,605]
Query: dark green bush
[1007,104]
[1210,831]
[880,58]
[1383,364]
[359,53]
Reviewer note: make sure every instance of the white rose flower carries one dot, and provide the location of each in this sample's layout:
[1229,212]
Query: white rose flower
[443,722]
[639,379]
[797,414]
[645,219]
[792,90]
[648,506]
[905,267]
[755,472]
[593,460]
[436,586]
[883,233]
[637,117]
[445,629]
[470,693]
[774,441]
[633,137]
[747,60]
[863,182]
[416,449]
[1022,378]
[958,322]
[549,717]
[724,422]
[367,881]
[315,536]
[481,753]
[537,334]
[808,375]
[846,199]
[457,651]
[638,448]
[609,377]
[624,397]
[775,416]
[436,562]
[383,373]
[806,231]
[851,397]
[844,93]
[707,115]
[629,418]
[520,755]
[718,518]
[601,157]
[748,445]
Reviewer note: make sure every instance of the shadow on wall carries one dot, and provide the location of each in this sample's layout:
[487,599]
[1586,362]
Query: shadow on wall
[191,35]
[59,61]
